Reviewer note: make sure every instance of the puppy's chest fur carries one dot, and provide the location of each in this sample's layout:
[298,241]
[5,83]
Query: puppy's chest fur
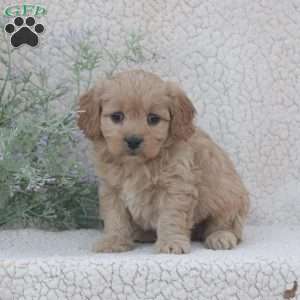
[142,194]
[141,191]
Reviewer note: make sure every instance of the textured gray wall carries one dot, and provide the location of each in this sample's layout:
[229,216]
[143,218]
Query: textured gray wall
[238,60]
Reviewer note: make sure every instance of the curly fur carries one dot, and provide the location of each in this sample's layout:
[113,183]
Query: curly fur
[179,185]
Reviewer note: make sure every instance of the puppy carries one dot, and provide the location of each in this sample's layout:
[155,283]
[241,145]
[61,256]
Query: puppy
[162,178]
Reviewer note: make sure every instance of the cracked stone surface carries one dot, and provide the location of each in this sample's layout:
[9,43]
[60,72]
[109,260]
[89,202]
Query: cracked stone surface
[239,61]
[59,265]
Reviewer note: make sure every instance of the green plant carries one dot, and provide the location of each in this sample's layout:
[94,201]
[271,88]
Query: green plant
[40,186]
[41,178]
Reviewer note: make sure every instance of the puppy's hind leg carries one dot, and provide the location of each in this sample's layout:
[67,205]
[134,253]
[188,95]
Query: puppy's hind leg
[223,235]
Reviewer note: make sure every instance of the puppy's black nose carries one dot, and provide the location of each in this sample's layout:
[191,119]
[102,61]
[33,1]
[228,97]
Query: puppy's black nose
[133,142]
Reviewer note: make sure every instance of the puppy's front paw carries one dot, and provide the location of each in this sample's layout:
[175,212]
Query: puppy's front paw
[109,245]
[173,247]
[221,240]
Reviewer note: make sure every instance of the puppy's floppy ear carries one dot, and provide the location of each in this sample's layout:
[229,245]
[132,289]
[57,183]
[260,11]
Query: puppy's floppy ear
[89,114]
[182,112]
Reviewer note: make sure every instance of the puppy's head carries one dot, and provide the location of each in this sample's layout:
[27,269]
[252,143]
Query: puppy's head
[136,113]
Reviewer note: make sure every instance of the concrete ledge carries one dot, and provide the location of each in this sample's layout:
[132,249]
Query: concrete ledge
[59,265]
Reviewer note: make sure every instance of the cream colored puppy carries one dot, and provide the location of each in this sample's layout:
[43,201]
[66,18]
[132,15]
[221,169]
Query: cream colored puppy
[161,177]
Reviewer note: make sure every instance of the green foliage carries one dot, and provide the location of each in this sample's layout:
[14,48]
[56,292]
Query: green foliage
[42,180]
[41,185]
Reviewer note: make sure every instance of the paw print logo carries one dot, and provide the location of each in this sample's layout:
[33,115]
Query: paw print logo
[27,33]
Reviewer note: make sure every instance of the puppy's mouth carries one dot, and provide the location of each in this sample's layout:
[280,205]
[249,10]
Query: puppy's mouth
[133,152]
[133,156]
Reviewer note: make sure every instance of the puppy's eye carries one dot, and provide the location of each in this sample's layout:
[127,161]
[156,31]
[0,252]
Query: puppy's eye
[153,119]
[117,117]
